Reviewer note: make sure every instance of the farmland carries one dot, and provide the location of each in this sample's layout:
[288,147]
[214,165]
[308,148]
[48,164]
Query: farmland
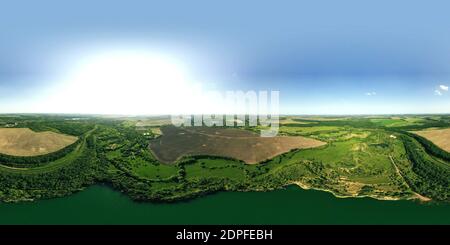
[178,142]
[440,137]
[364,156]
[25,142]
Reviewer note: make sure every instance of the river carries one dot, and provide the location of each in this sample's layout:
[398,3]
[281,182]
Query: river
[102,205]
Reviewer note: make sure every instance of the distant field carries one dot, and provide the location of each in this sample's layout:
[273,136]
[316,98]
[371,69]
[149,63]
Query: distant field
[440,137]
[307,130]
[319,118]
[398,122]
[292,120]
[235,143]
[153,122]
[25,142]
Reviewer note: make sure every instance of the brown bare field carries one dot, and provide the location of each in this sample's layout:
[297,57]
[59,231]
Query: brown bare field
[228,142]
[25,142]
[440,137]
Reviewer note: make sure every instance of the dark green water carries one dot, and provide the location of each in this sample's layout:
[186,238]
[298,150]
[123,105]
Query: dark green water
[102,205]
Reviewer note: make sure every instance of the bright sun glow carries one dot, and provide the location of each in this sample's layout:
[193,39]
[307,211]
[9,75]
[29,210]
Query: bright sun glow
[123,82]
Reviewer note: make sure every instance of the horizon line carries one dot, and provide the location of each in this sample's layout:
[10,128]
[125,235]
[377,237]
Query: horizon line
[160,115]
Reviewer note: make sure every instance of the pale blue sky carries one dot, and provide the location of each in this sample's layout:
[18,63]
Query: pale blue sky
[325,57]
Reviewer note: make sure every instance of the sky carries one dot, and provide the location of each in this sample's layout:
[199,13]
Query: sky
[325,57]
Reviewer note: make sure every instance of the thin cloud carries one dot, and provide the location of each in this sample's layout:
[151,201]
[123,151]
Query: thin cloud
[440,90]
[371,93]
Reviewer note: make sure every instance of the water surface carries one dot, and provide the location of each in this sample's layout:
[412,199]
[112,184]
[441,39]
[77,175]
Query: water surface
[102,205]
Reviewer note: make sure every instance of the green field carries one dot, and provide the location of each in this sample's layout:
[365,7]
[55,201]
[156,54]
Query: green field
[376,157]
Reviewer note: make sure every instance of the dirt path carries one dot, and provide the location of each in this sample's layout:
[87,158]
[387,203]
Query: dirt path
[13,168]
